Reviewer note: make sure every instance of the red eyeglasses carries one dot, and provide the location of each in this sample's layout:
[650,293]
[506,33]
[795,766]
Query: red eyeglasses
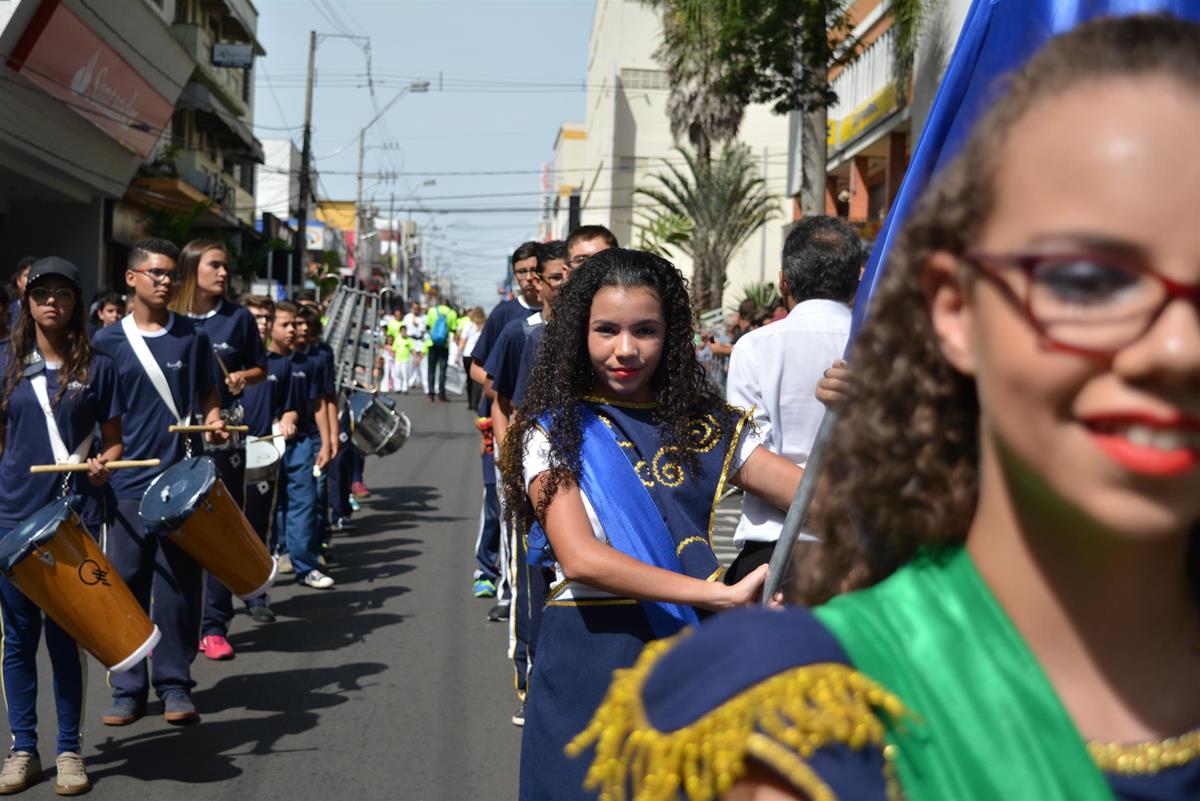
[1086,302]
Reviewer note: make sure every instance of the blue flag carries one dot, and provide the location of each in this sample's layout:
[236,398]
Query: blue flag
[997,37]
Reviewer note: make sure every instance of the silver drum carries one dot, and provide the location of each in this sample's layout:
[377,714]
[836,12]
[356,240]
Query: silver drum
[379,429]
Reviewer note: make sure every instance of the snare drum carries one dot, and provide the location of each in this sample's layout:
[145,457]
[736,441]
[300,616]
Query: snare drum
[262,460]
[54,561]
[378,428]
[190,504]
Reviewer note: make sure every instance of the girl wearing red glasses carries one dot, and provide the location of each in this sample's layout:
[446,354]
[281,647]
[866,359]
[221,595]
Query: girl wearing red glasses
[1016,507]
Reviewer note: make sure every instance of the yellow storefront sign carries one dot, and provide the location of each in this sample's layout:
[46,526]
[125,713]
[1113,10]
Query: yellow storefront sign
[841,132]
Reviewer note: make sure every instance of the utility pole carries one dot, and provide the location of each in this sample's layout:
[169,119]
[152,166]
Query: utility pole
[395,242]
[301,265]
[762,250]
[358,207]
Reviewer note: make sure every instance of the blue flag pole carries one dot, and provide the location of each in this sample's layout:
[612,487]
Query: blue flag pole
[997,37]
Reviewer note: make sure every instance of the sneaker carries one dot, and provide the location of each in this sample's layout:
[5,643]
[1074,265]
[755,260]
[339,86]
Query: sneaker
[178,708]
[72,778]
[498,613]
[262,614]
[284,564]
[359,490]
[518,717]
[21,769]
[317,580]
[327,557]
[214,646]
[485,588]
[342,524]
[123,711]
[354,504]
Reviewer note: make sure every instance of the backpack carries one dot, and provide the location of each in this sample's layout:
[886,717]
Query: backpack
[440,333]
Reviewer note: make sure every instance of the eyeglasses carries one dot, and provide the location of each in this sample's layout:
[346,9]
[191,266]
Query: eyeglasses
[524,273]
[575,262]
[160,276]
[41,294]
[1086,302]
[553,279]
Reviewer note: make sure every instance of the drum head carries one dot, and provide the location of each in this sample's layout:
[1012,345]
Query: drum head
[174,495]
[40,527]
[261,453]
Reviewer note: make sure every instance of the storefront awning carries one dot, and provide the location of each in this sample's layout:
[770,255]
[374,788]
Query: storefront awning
[198,97]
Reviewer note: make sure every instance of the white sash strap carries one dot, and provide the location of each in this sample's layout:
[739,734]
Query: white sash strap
[61,454]
[153,371]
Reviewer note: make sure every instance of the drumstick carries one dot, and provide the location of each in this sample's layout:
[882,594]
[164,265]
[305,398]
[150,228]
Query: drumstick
[201,429]
[83,466]
[222,364]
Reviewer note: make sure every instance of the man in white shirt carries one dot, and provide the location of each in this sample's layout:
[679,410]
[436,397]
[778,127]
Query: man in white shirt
[774,370]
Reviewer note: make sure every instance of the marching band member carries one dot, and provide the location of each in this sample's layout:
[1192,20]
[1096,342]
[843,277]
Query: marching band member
[321,355]
[55,391]
[1016,507]
[163,362]
[296,506]
[624,449]
[264,404]
[238,362]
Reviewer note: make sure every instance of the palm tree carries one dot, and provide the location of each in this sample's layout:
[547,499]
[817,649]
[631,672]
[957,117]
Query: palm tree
[725,200]
[696,105]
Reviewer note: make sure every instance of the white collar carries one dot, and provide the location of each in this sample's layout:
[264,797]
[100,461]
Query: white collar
[208,313]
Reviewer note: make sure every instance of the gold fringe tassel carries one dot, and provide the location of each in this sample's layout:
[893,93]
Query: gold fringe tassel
[802,709]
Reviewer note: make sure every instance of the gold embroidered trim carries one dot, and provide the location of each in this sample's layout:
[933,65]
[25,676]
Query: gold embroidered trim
[716,574]
[734,443]
[802,709]
[791,767]
[689,541]
[1148,757]
[593,602]
[620,404]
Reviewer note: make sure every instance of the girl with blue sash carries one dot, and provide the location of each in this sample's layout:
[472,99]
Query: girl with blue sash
[55,392]
[1015,488]
[620,453]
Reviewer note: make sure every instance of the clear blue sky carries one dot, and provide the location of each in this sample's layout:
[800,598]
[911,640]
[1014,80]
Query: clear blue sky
[507,72]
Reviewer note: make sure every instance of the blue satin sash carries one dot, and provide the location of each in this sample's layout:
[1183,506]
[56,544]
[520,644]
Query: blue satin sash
[631,520]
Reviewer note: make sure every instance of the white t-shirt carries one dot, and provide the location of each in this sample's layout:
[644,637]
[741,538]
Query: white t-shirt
[537,461]
[774,371]
[415,325]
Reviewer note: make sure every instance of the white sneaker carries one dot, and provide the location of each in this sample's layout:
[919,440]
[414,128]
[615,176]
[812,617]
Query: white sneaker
[284,563]
[21,769]
[317,580]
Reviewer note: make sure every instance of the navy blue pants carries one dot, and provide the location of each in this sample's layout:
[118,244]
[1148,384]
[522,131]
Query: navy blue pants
[437,359]
[296,505]
[155,567]
[22,630]
[218,600]
[260,510]
[338,478]
[529,598]
[487,544]
[358,461]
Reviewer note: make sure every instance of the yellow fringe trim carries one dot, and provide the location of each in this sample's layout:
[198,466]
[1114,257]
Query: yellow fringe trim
[802,710]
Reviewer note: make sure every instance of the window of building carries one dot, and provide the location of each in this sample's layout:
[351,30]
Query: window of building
[644,79]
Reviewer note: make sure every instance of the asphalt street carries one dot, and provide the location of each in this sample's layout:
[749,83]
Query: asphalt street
[390,686]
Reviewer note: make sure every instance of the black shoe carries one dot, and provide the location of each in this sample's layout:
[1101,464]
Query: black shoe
[518,717]
[443,399]
[262,614]
[498,613]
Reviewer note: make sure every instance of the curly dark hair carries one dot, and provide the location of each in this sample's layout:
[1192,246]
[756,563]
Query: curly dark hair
[77,355]
[904,457]
[563,371]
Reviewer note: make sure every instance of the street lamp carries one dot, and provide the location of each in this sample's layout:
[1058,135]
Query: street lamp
[415,86]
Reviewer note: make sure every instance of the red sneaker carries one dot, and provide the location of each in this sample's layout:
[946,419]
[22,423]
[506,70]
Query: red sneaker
[359,490]
[214,646]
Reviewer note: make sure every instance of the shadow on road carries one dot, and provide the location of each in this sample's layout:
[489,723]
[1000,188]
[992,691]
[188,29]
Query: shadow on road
[211,747]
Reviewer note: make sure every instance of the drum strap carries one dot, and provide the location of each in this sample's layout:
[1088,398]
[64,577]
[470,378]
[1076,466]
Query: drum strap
[61,454]
[151,367]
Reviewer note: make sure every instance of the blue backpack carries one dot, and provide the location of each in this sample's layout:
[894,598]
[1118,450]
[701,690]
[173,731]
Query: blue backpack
[440,333]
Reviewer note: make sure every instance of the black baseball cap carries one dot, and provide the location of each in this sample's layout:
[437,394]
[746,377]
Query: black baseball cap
[53,265]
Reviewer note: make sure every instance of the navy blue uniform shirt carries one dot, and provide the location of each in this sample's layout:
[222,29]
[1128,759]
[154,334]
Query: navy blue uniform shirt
[504,313]
[306,383]
[528,357]
[235,340]
[265,402]
[504,362]
[184,354]
[27,441]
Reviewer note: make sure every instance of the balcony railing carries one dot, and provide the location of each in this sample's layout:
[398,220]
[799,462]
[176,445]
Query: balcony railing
[226,82]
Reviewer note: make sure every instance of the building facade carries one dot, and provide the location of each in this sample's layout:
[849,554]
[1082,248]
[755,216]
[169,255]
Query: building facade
[626,137]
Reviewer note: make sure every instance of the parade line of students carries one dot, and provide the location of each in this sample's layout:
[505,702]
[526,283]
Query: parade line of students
[183,353]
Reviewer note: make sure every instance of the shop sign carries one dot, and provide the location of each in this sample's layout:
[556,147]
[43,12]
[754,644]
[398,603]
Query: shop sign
[233,54]
[841,132]
[65,58]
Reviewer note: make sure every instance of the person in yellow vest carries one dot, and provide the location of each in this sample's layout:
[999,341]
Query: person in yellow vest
[402,357]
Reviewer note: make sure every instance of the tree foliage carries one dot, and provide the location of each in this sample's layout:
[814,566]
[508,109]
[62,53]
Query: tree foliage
[726,201]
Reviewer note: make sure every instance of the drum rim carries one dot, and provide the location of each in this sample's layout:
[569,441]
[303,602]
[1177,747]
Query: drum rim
[164,524]
[21,541]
